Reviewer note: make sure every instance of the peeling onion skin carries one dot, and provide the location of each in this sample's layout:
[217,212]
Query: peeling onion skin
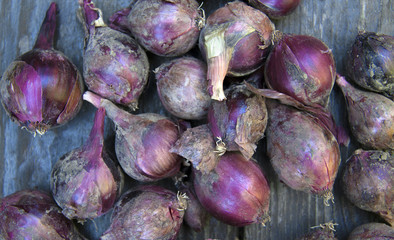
[235,192]
[302,67]
[42,88]
[32,214]
[370,63]
[148,212]
[368,181]
[114,65]
[303,152]
[182,87]
[370,116]
[372,231]
[275,8]
[86,182]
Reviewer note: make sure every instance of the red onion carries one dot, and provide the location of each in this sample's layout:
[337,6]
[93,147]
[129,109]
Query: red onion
[372,231]
[182,87]
[302,67]
[165,28]
[368,181]
[86,182]
[42,88]
[240,120]
[324,232]
[370,62]
[148,212]
[142,142]
[114,65]
[32,214]
[275,8]
[370,115]
[234,42]
[235,192]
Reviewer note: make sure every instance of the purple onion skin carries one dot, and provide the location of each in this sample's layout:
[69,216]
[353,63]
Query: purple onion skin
[142,142]
[235,192]
[234,42]
[182,88]
[370,63]
[372,231]
[302,67]
[165,28]
[319,234]
[370,116]
[368,181]
[275,8]
[114,65]
[32,214]
[240,120]
[303,152]
[86,182]
[42,88]
[148,212]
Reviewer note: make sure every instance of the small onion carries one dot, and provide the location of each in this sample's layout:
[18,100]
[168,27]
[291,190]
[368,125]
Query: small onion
[372,231]
[275,8]
[42,88]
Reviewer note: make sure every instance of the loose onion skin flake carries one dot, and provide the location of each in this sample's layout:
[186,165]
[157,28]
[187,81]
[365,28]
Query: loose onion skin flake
[275,8]
[372,231]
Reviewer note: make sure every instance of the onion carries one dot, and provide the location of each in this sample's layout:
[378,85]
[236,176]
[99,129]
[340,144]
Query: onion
[235,192]
[86,182]
[148,212]
[142,142]
[324,232]
[114,65]
[302,67]
[368,181]
[182,87]
[275,8]
[370,115]
[32,214]
[42,88]
[370,62]
[372,231]
[234,42]
[165,28]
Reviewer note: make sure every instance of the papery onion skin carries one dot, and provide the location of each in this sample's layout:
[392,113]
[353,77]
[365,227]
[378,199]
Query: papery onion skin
[42,88]
[372,231]
[235,192]
[370,62]
[275,8]
[182,87]
[368,181]
[370,116]
[302,67]
[148,212]
[32,214]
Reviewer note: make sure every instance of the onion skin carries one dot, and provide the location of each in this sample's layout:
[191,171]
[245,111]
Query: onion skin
[368,181]
[370,116]
[32,214]
[114,65]
[370,63]
[372,231]
[42,88]
[325,232]
[148,212]
[275,8]
[182,88]
[235,192]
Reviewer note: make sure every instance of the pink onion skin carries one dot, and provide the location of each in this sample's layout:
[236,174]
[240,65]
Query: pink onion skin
[86,182]
[32,214]
[303,152]
[148,212]
[234,42]
[182,87]
[42,88]
[275,8]
[368,180]
[235,192]
[302,67]
[372,231]
[370,63]
[165,28]
[114,65]
[142,142]
[370,116]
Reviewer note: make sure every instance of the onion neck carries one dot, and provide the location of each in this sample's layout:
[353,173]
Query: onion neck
[92,16]
[96,137]
[46,36]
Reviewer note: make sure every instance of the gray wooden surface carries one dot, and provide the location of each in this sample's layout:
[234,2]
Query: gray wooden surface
[26,161]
